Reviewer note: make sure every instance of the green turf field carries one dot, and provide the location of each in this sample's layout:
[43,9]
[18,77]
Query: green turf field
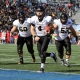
[9,59]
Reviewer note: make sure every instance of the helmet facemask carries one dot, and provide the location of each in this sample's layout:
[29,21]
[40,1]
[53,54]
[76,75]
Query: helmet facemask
[63,18]
[40,16]
[21,17]
[63,21]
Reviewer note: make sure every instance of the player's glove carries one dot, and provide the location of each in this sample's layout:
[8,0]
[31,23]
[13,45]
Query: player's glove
[76,39]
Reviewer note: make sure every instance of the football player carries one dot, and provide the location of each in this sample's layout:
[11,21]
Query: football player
[61,29]
[23,26]
[39,22]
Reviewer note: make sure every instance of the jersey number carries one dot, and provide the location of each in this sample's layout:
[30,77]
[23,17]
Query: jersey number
[64,30]
[39,28]
[23,29]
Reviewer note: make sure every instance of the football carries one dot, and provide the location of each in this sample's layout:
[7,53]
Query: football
[47,28]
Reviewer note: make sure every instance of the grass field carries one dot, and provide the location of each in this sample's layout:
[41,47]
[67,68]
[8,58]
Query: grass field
[9,59]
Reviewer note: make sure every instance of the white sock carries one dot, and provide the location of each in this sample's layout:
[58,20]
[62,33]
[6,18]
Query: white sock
[42,65]
[67,59]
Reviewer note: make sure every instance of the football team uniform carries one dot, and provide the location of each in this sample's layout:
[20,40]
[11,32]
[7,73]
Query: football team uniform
[44,40]
[24,35]
[62,38]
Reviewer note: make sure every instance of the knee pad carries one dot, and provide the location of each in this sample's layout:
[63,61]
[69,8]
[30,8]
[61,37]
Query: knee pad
[68,53]
[42,56]
[20,52]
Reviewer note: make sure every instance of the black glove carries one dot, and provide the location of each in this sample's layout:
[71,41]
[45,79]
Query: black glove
[76,38]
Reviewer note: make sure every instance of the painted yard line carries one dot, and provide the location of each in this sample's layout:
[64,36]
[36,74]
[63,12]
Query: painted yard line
[2,52]
[7,55]
[72,57]
[29,57]
[13,55]
[29,60]
[14,59]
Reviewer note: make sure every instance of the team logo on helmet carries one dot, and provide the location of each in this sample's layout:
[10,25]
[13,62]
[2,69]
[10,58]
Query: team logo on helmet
[40,8]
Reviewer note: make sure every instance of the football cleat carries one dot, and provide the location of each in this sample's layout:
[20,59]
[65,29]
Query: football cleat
[20,62]
[62,62]
[41,70]
[33,58]
[53,55]
[67,64]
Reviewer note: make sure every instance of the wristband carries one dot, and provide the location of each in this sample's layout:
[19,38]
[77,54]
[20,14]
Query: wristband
[53,37]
